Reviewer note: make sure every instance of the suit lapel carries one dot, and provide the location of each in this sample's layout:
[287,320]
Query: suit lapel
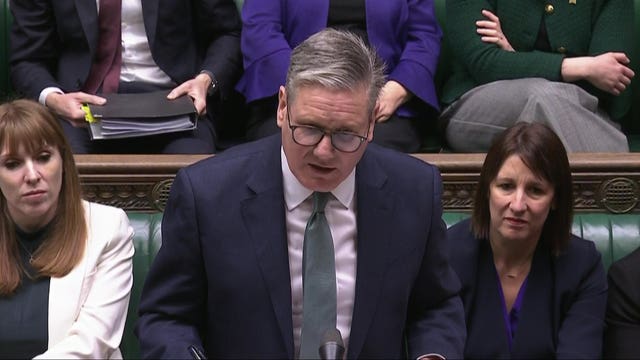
[536,311]
[150,11]
[88,15]
[374,214]
[487,331]
[264,218]
[68,292]
[64,295]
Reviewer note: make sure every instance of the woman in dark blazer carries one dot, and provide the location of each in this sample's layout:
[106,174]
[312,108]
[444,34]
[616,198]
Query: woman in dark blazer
[405,34]
[530,288]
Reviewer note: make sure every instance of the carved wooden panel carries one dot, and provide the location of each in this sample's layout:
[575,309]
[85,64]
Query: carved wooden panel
[602,182]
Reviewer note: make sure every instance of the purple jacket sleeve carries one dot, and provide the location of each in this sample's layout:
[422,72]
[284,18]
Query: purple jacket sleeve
[265,49]
[405,34]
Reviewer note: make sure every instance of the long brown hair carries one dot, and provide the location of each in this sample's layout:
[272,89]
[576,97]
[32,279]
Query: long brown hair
[542,151]
[29,124]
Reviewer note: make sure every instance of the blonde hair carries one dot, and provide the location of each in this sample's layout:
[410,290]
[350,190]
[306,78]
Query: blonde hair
[27,123]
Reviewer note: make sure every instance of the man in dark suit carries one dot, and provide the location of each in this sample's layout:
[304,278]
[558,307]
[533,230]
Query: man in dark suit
[623,309]
[188,46]
[230,275]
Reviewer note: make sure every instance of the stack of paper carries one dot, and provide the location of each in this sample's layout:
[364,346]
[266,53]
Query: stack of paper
[142,114]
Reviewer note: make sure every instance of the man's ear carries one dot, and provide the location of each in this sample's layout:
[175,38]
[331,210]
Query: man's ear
[372,121]
[281,113]
[376,110]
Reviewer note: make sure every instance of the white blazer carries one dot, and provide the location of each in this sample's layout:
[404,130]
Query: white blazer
[88,306]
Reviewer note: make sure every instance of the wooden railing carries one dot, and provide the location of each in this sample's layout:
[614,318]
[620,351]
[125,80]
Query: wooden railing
[602,182]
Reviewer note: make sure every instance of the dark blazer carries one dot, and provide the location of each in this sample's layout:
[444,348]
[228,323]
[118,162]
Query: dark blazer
[405,34]
[53,41]
[622,335]
[221,278]
[562,314]
[586,28]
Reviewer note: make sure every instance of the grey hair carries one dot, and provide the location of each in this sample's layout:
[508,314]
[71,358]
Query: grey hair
[338,60]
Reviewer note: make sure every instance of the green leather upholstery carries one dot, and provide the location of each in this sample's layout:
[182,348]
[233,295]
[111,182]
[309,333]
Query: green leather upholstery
[147,241]
[614,235]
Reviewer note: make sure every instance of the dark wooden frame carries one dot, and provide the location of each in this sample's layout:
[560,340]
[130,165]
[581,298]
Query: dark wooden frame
[602,182]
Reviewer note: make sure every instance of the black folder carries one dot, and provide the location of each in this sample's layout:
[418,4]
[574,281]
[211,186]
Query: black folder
[140,114]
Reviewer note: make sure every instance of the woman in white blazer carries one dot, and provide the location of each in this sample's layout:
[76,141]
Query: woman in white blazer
[65,264]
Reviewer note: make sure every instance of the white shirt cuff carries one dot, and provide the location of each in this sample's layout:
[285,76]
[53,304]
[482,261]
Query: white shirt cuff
[44,93]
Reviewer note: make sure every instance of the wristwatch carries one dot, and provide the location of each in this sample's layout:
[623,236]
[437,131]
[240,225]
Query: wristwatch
[213,87]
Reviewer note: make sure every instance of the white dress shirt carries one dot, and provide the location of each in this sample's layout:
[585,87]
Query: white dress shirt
[137,63]
[341,216]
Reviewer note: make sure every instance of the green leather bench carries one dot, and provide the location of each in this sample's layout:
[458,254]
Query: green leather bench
[615,235]
[147,241]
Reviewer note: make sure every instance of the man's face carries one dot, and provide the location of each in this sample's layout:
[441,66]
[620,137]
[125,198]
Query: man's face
[322,167]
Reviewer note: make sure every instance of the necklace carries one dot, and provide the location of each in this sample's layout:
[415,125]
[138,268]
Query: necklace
[513,272]
[517,272]
[27,250]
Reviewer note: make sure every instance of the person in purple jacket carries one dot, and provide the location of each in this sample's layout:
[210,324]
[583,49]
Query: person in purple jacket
[405,34]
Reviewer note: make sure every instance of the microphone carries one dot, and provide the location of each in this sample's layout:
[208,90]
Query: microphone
[332,346]
[196,353]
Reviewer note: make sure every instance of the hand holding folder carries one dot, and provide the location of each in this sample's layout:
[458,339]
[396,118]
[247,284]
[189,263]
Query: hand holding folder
[140,114]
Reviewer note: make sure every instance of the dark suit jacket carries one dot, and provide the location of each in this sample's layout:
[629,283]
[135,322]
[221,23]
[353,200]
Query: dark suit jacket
[221,277]
[562,314]
[53,41]
[622,336]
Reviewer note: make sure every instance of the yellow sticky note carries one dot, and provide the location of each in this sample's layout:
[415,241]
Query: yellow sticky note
[88,116]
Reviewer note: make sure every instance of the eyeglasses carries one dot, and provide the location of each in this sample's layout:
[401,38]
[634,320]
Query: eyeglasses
[307,135]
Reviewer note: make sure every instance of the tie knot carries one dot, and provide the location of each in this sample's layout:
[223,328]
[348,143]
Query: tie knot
[320,201]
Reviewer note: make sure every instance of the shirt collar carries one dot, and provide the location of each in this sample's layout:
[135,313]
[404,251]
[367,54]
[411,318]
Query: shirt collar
[295,193]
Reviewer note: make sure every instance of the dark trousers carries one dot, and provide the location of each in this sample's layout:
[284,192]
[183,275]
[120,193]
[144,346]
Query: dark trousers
[198,141]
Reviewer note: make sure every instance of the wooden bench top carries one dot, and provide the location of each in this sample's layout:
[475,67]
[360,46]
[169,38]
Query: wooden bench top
[602,182]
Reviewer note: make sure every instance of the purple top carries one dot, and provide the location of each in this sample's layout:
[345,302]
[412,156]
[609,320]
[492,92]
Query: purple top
[511,318]
[406,35]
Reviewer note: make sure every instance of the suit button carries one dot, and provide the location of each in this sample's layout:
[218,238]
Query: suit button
[562,50]
[548,9]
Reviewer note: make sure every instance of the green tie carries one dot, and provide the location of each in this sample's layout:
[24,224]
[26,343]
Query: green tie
[318,280]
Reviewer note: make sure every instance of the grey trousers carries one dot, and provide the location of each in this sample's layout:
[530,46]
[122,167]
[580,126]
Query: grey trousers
[483,112]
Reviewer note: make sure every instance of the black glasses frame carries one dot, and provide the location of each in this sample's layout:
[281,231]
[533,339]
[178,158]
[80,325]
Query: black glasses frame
[325,133]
